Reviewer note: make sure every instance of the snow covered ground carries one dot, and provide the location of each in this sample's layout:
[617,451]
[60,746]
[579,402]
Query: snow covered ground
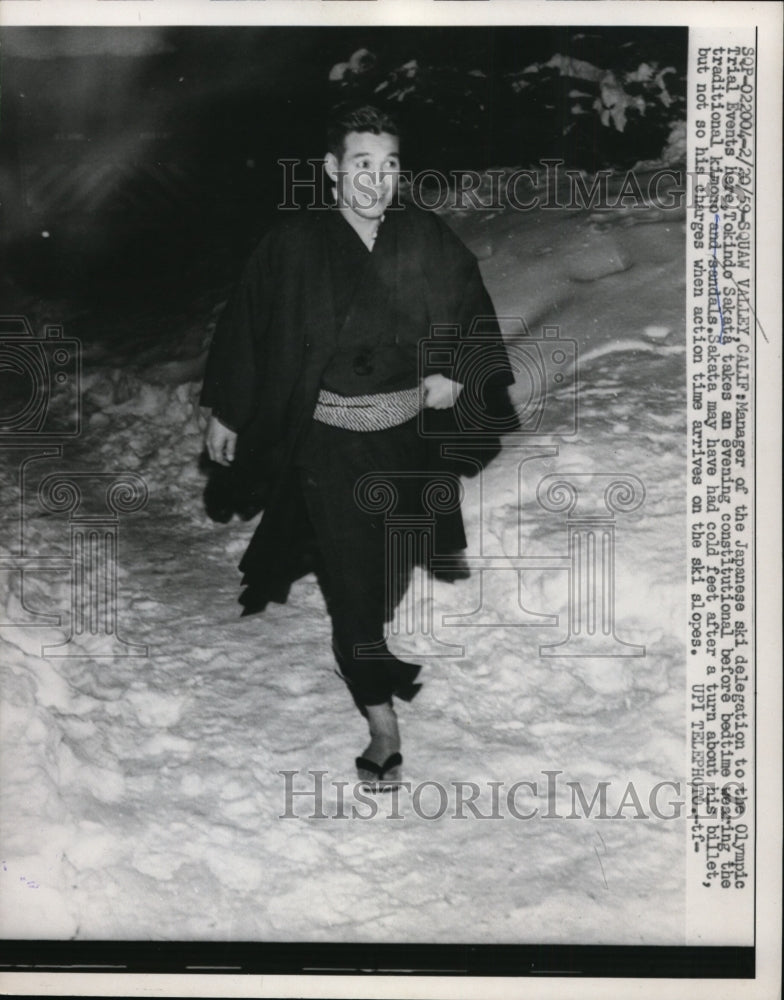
[142,795]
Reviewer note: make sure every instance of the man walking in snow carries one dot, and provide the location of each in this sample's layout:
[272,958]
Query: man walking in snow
[314,379]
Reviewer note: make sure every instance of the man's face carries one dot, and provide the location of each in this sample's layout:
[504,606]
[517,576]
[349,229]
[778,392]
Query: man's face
[366,176]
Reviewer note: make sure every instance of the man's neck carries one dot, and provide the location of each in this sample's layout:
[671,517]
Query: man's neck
[366,229]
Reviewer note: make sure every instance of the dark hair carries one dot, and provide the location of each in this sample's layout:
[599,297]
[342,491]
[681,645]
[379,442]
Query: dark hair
[347,118]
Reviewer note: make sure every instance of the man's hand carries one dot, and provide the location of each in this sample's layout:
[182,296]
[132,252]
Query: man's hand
[220,442]
[440,392]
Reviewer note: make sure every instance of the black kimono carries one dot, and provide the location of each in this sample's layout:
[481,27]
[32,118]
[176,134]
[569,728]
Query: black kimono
[315,309]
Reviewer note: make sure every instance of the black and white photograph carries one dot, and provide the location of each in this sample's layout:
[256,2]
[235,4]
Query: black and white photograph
[379,533]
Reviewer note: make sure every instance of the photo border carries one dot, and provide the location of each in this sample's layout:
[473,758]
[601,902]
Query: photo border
[267,968]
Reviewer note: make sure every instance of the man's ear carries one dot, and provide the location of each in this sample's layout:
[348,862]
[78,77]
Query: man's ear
[331,166]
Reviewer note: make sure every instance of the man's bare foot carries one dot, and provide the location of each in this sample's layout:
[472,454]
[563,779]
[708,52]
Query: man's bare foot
[384,741]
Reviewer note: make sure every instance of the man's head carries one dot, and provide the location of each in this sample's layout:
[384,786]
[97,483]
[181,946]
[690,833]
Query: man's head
[363,159]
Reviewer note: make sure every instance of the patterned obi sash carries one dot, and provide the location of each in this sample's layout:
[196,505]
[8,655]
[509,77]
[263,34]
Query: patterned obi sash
[375,412]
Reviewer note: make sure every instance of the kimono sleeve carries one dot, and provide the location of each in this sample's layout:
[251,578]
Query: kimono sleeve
[475,347]
[232,373]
